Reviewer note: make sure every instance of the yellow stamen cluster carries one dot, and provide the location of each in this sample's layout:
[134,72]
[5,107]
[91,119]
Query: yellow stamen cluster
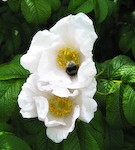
[66,55]
[60,106]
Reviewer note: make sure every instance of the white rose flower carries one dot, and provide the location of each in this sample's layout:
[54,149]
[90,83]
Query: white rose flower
[58,113]
[62,56]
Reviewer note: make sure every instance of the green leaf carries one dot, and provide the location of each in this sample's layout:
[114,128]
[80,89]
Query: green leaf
[113,108]
[122,66]
[11,142]
[125,42]
[32,126]
[13,70]
[73,4]
[14,4]
[114,139]
[72,143]
[9,91]
[129,142]
[129,104]
[55,5]
[112,8]
[98,122]
[5,127]
[133,46]
[42,142]
[101,9]
[129,75]
[104,69]
[110,93]
[120,69]
[36,11]
[86,7]
[87,141]
[16,39]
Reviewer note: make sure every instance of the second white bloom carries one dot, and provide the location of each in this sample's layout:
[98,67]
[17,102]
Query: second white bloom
[58,113]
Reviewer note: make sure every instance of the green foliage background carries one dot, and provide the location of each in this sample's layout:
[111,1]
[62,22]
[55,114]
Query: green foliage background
[113,127]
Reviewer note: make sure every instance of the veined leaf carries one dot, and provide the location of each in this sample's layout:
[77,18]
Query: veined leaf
[54,4]
[113,107]
[129,104]
[81,6]
[36,11]
[13,70]
[114,139]
[87,141]
[125,41]
[9,91]
[11,142]
[32,126]
[14,4]
[101,9]
[5,127]
[120,68]
[73,4]
[72,142]
[86,7]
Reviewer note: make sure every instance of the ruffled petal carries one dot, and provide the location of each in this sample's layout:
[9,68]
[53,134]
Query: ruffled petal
[57,90]
[48,69]
[77,31]
[87,109]
[26,100]
[64,92]
[42,107]
[40,43]
[51,121]
[87,104]
[58,133]
[44,115]
[86,71]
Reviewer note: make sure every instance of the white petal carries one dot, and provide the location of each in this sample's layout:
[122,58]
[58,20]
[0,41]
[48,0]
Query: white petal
[40,43]
[29,114]
[44,115]
[30,61]
[27,105]
[25,98]
[77,31]
[52,121]
[87,104]
[57,134]
[86,71]
[91,89]
[42,107]
[87,108]
[48,69]
[57,90]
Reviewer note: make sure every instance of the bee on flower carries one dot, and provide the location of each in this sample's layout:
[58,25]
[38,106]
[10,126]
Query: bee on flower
[62,83]
[63,55]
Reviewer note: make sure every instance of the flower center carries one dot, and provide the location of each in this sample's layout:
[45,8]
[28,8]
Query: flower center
[67,55]
[60,106]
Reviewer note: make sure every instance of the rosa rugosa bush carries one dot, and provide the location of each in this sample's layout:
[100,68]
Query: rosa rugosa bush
[52,97]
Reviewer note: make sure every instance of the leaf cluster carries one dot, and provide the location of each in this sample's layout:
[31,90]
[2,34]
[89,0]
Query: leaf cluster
[113,127]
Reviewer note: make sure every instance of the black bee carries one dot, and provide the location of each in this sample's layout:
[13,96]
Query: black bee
[72,68]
